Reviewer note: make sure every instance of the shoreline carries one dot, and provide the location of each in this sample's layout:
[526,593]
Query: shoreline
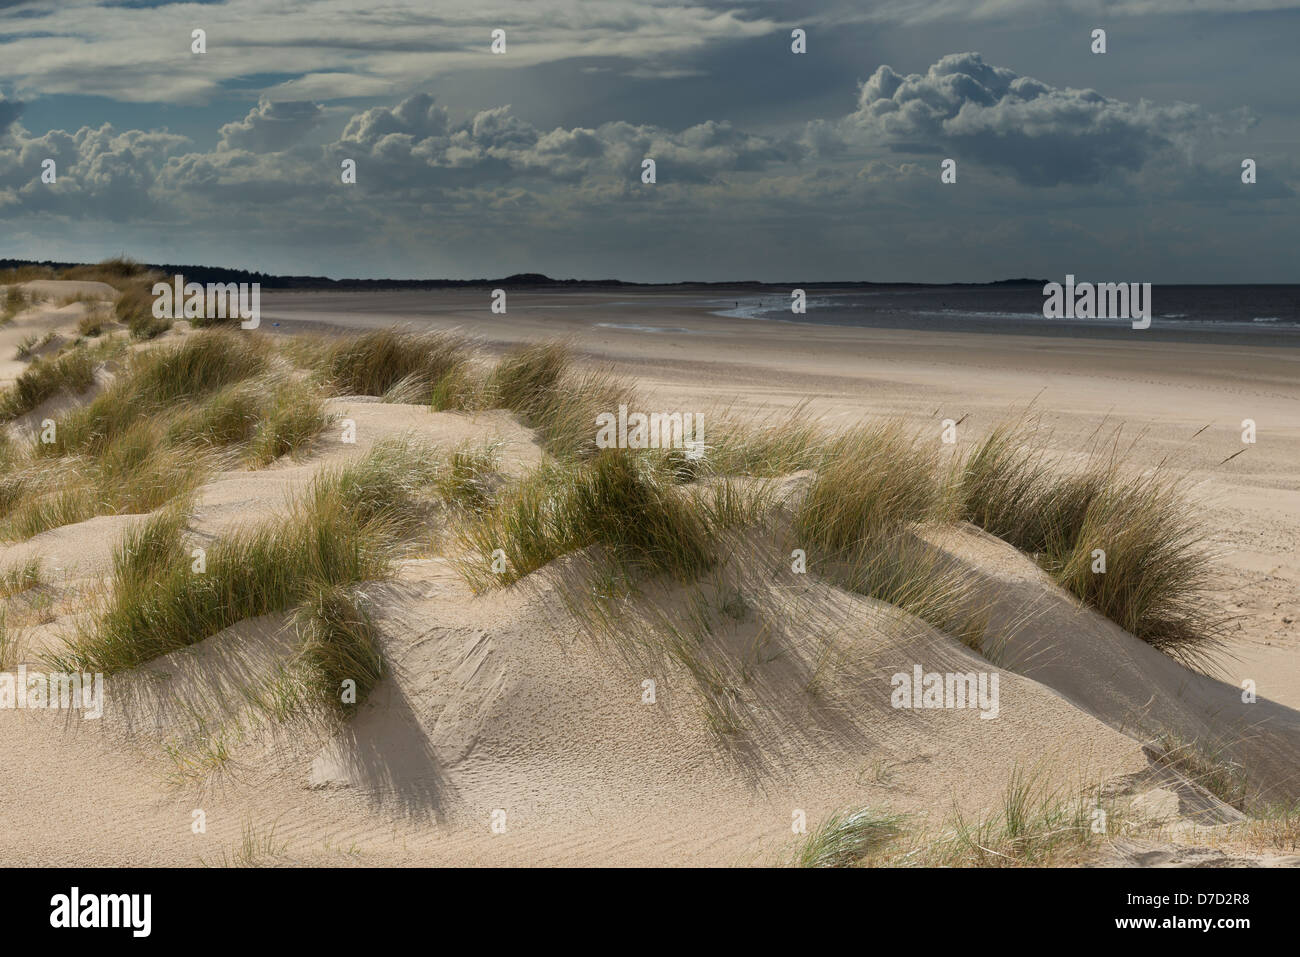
[663,311]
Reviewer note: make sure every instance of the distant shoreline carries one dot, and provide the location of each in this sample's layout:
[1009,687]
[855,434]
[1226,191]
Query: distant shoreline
[200,273]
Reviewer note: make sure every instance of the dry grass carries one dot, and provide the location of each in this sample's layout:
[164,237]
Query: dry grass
[133,282]
[645,523]
[15,301]
[157,603]
[869,482]
[95,322]
[116,271]
[134,309]
[340,652]
[1033,827]
[845,838]
[792,443]
[1206,765]
[177,409]
[1275,828]
[394,365]
[343,531]
[540,384]
[1157,565]
[872,485]
[71,373]
[11,641]
[21,577]
[172,414]
[256,848]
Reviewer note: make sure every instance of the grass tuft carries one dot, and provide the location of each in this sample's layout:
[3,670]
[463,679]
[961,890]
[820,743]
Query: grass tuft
[174,412]
[846,837]
[1208,767]
[340,652]
[72,373]
[255,571]
[869,482]
[134,309]
[526,378]
[647,524]
[1156,564]
[343,531]
[22,577]
[11,640]
[398,366]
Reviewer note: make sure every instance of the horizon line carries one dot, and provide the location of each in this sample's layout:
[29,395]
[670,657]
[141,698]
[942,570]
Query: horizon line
[305,280]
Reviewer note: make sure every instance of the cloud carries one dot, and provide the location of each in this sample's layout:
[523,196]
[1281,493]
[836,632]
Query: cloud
[916,12]
[331,49]
[486,190]
[417,141]
[417,117]
[1043,135]
[416,151]
[272,126]
[101,172]
[331,86]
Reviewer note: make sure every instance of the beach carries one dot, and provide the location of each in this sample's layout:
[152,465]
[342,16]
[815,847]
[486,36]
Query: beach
[504,735]
[1176,400]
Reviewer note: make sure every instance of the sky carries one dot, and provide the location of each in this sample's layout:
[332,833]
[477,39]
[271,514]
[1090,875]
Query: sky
[770,165]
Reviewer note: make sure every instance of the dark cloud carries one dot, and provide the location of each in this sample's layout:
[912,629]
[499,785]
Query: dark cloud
[481,190]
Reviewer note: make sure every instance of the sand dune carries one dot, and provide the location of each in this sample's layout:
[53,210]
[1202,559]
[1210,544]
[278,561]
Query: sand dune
[497,703]
[1123,681]
[44,317]
[507,703]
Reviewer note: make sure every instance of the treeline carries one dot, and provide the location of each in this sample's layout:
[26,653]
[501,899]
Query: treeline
[206,274]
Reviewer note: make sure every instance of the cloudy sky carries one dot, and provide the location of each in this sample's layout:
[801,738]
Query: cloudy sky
[771,165]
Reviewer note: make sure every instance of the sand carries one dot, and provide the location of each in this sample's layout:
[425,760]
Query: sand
[501,703]
[1163,392]
[46,317]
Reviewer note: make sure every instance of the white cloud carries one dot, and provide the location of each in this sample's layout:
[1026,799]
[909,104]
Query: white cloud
[101,172]
[337,48]
[492,185]
[917,12]
[1043,135]
[417,142]
[272,126]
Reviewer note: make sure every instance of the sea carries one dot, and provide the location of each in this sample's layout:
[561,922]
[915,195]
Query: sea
[1253,313]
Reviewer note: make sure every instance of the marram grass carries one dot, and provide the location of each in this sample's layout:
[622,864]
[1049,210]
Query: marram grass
[1141,524]
[180,408]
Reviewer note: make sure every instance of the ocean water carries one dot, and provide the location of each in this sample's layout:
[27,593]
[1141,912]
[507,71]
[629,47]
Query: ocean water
[1254,313]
